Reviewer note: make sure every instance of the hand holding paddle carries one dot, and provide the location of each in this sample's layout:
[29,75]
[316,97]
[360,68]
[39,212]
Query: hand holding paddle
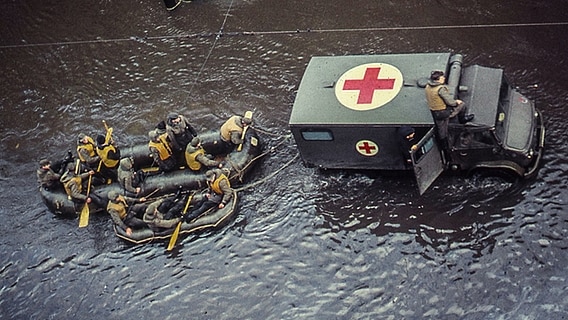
[248,115]
[174,237]
[84,217]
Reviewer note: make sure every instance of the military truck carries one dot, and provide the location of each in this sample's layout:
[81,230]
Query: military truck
[348,109]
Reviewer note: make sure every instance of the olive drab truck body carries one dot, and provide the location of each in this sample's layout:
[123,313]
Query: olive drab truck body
[348,109]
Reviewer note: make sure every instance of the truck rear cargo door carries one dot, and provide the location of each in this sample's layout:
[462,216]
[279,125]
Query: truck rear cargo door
[427,161]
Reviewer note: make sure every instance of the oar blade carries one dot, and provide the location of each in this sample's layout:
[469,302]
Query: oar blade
[84,217]
[174,237]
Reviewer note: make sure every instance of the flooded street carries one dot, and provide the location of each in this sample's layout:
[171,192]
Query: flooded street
[305,244]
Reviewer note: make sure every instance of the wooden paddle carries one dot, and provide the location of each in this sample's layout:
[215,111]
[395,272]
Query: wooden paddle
[175,235]
[153,192]
[84,217]
[248,114]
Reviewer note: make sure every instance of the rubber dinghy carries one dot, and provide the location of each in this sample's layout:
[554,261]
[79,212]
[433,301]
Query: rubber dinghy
[212,218]
[237,162]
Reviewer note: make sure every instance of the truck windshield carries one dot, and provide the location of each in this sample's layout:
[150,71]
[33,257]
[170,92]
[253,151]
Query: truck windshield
[503,108]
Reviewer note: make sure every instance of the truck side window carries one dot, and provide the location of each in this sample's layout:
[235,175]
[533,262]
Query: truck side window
[317,135]
[423,149]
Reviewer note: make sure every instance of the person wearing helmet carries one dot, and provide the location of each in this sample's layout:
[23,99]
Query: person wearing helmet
[161,151]
[128,178]
[158,216]
[126,212]
[444,107]
[232,129]
[219,194]
[196,158]
[109,155]
[406,143]
[180,132]
[87,151]
[46,177]
[73,185]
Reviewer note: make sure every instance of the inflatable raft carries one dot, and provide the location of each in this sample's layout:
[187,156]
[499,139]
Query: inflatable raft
[212,218]
[237,162]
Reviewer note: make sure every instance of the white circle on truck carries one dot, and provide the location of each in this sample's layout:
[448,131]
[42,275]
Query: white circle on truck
[368,86]
[367,148]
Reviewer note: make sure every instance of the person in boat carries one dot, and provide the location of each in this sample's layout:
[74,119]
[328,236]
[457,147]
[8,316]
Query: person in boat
[126,212]
[128,178]
[180,132]
[158,214]
[87,151]
[161,151]
[405,135]
[444,107]
[196,158]
[46,177]
[73,185]
[232,130]
[109,156]
[219,193]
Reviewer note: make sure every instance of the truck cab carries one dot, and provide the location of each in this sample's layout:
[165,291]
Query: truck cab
[349,109]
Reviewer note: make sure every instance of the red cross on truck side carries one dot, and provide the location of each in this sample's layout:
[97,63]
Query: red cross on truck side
[368,85]
[365,146]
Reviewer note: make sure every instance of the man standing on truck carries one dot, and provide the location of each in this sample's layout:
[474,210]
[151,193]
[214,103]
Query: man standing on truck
[444,107]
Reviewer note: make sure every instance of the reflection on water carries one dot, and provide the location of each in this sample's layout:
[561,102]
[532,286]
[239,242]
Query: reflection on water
[305,244]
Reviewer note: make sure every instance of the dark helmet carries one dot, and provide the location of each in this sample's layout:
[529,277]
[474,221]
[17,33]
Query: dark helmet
[405,131]
[100,140]
[44,162]
[171,117]
[161,126]
[436,74]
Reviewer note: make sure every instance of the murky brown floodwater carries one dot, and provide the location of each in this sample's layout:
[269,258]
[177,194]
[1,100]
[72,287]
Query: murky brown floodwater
[305,244]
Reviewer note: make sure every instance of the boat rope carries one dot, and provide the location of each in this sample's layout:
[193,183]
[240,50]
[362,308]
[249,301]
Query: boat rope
[239,172]
[269,133]
[221,33]
[270,176]
[217,37]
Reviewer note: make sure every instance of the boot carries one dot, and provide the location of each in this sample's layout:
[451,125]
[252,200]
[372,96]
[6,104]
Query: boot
[177,196]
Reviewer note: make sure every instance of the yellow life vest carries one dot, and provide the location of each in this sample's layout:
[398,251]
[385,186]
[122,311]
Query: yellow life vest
[215,185]
[435,102]
[77,180]
[89,146]
[164,149]
[119,207]
[191,159]
[103,154]
[230,126]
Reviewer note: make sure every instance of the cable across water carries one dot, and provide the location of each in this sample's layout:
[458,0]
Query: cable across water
[221,32]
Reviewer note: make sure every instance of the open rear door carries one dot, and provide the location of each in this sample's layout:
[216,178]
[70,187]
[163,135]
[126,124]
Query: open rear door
[427,161]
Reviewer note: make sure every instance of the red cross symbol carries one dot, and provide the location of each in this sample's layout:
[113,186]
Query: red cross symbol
[365,146]
[368,85]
